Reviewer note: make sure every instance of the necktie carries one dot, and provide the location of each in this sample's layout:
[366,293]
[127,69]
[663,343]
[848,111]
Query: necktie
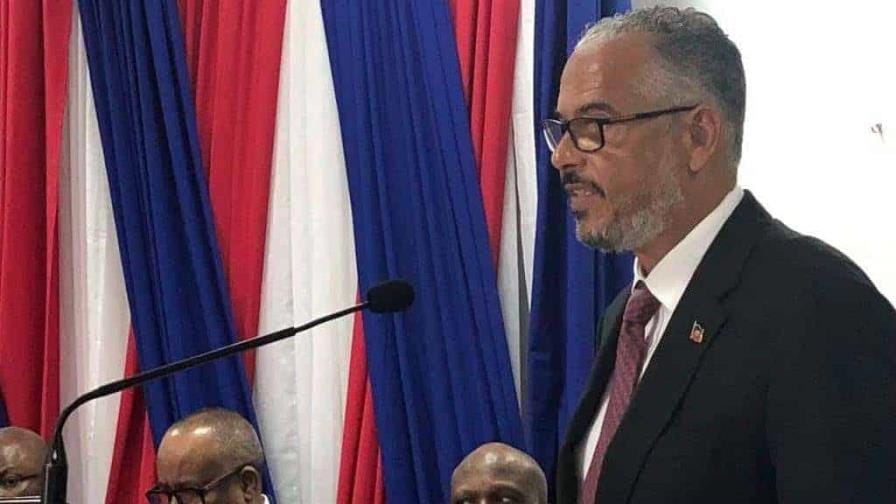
[630,352]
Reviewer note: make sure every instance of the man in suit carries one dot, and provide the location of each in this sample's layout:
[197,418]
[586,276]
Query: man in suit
[22,455]
[212,456]
[747,363]
[496,473]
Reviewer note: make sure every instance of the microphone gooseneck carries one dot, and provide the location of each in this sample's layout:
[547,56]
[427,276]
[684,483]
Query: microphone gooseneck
[387,297]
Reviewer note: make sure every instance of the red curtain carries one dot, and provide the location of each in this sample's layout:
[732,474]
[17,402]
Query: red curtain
[133,468]
[486,32]
[34,38]
[360,472]
[233,55]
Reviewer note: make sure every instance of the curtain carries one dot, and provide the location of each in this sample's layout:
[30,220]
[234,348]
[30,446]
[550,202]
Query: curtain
[488,48]
[171,263]
[486,36]
[309,270]
[93,305]
[571,283]
[361,468]
[233,57]
[440,374]
[33,66]
[520,203]
[133,468]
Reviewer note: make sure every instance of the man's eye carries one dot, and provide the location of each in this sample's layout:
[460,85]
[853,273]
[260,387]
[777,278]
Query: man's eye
[10,481]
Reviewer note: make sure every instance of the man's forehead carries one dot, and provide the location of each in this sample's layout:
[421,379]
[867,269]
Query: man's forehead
[602,76]
[13,455]
[188,458]
[492,466]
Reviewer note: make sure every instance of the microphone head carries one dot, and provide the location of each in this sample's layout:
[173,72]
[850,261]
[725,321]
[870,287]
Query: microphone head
[390,296]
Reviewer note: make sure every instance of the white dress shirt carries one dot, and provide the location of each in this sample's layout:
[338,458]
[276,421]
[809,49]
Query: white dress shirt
[667,282]
[266,501]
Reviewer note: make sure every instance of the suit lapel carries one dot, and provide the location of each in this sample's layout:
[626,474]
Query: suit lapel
[678,357]
[579,424]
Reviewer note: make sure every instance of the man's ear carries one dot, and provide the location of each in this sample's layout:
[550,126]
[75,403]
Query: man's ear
[703,133]
[250,483]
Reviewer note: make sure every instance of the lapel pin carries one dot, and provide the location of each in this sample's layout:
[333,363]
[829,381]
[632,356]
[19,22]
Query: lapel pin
[697,332]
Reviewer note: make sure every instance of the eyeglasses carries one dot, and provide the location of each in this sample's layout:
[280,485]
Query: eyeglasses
[189,495]
[588,132]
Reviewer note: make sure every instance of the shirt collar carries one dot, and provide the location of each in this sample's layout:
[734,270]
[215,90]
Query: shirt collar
[670,277]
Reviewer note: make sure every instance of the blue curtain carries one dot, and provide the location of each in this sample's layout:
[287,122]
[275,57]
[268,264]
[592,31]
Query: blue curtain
[571,283]
[441,376]
[173,275]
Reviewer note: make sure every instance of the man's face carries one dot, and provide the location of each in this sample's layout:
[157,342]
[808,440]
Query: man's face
[193,459]
[621,194]
[20,471]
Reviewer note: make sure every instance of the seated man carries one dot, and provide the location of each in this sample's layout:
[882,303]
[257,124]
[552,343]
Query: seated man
[22,455]
[210,457]
[498,473]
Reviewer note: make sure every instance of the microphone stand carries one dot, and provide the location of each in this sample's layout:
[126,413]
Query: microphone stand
[56,466]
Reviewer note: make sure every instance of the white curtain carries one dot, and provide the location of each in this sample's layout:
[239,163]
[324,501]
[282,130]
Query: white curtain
[520,202]
[310,270]
[94,317]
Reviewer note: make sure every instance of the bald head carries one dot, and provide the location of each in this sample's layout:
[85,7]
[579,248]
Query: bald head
[212,446]
[497,473]
[22,454]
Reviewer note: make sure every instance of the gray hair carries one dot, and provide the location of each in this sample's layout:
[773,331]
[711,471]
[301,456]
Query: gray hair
[696,61]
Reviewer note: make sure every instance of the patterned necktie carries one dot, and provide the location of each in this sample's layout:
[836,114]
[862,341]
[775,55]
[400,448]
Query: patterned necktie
[630,352]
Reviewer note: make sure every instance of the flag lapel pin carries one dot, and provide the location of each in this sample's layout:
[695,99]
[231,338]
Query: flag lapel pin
[697,332]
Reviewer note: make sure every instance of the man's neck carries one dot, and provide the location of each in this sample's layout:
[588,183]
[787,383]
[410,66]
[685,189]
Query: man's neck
[684,219]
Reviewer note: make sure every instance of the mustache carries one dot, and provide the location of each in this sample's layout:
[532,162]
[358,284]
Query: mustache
[574,178]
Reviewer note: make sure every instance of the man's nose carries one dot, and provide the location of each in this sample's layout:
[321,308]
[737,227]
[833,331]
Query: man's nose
[566,154]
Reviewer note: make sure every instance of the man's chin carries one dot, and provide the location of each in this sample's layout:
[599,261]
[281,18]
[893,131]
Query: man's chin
[595,239]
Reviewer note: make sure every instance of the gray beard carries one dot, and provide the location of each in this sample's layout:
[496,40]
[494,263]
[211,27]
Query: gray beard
[638,220]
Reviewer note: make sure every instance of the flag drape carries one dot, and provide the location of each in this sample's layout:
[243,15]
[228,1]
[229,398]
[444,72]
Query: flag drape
[170,258]
[520,203]
[133,468]
[360,470]
[93,303]
[418,215]
[33,66]
[233,57]
[309,270]
[486,36]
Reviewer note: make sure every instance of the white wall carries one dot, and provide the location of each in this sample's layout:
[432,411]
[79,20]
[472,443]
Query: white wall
[820,74]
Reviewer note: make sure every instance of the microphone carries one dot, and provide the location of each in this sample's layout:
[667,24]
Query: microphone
[387,297]
[391,296]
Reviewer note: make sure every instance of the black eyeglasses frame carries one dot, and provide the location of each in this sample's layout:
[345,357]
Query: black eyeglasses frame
[568,126]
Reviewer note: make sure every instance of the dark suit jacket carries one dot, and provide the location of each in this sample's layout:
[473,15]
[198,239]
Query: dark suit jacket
[789,398]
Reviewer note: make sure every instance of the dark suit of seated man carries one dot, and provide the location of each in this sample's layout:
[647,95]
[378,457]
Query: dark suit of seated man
[747,363]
